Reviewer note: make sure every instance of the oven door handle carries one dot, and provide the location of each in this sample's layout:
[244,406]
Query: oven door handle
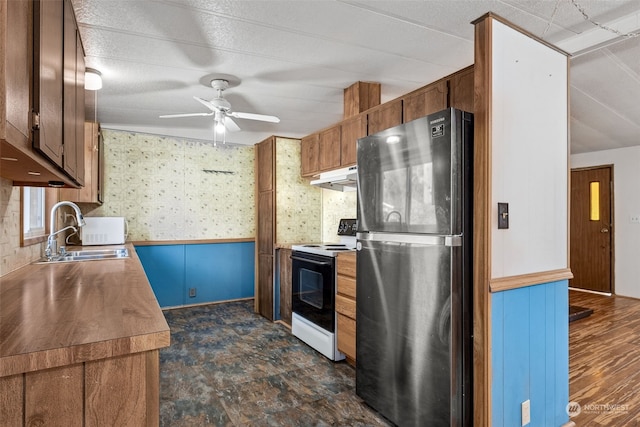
[311,261]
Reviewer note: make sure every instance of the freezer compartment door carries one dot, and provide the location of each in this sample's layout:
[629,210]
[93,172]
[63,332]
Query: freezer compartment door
[411,177]
[409,331]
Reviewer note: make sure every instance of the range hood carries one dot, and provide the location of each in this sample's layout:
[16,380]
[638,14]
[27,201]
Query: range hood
[345,179]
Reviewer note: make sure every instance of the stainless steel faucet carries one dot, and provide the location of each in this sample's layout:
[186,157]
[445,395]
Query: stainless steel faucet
[52,243]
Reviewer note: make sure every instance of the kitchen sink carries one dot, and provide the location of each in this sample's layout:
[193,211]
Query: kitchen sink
[87,255]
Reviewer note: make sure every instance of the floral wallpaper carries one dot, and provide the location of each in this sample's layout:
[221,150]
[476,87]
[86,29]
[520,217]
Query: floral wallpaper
[298,204]
[13,256]
[173,189]
[336,205]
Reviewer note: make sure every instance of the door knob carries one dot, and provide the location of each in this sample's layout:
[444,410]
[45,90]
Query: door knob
[604,230]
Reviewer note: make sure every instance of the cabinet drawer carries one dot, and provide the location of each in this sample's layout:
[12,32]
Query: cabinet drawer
[347,286]
[346,306]
[347,336]
[347,264]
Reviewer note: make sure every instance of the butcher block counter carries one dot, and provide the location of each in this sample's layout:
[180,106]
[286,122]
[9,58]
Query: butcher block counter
[79,344]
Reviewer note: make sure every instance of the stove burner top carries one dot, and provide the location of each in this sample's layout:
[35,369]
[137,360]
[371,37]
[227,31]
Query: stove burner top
[347,242]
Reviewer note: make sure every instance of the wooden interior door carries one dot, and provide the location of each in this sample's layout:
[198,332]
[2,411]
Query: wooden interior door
[591,232]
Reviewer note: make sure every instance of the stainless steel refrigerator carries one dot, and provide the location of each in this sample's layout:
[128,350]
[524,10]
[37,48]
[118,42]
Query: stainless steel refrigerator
[414,271]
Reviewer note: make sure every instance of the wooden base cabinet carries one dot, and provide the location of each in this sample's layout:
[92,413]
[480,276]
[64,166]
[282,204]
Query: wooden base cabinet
[117,391]
[284,264]
[346,305]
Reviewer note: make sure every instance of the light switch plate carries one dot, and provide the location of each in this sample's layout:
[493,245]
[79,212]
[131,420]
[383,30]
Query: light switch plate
[503,215]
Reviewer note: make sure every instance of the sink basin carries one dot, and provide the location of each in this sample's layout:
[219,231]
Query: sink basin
[88,255]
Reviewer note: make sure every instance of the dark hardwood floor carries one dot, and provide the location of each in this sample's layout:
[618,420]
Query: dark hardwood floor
[604,361]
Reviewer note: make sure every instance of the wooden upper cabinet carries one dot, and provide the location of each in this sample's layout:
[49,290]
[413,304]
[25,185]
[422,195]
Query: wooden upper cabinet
[93,171]
[79,111]
[359,97]
[265,164]
[330,148]
[387,115]
[427,100]
[48,78]
[18,62]
[461,90]
[70,155]
[351,130]
[43,93]
[310,155]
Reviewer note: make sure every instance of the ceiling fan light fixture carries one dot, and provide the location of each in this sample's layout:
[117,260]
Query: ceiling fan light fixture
[92,79]
[219,126]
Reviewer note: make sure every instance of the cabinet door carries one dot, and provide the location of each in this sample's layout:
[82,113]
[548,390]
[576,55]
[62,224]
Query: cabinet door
[430,99]
[285,284]
[388,115]
[48,79]
[79,112]
[265,222]
[309,155]
[18,63]
[54,396]
[347,336]
[70,147]
[330,148]
[164,266]
[11,396]
[265,286]
[461,85]
[265,160]
[352,129]
[90,192]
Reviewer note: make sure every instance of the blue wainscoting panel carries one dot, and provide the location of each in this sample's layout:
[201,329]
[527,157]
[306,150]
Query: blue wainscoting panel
[530,354]
[217,271]
[220,271]
[164,266]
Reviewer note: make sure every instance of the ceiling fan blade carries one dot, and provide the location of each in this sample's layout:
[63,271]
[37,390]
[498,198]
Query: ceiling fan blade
[168,116]
[252,116]
[206,103]
[231,125]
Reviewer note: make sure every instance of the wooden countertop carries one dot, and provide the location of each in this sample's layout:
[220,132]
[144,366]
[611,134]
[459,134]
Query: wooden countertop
[65,313]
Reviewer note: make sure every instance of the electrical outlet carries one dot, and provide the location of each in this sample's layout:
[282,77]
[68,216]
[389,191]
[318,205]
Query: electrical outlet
[192,292]
[526,412]
[634,219]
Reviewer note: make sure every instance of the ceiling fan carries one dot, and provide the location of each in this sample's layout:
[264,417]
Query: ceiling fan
[221,110]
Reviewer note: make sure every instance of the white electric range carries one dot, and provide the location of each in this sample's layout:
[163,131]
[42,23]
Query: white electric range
[314,289]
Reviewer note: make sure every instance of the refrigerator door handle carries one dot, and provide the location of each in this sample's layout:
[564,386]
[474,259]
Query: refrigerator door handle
[419,239]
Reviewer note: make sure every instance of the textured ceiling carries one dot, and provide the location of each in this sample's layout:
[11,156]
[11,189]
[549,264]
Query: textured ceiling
[292,59]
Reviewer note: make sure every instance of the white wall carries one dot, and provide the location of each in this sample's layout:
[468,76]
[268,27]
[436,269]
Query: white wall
[626,182]
[529,154]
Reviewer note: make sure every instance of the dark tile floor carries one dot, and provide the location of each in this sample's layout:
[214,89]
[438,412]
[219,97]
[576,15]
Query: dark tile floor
[227,366]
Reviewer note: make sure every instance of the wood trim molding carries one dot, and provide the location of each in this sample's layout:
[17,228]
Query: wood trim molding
[500,19]
[524,280]
[189,242]
[482,226]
